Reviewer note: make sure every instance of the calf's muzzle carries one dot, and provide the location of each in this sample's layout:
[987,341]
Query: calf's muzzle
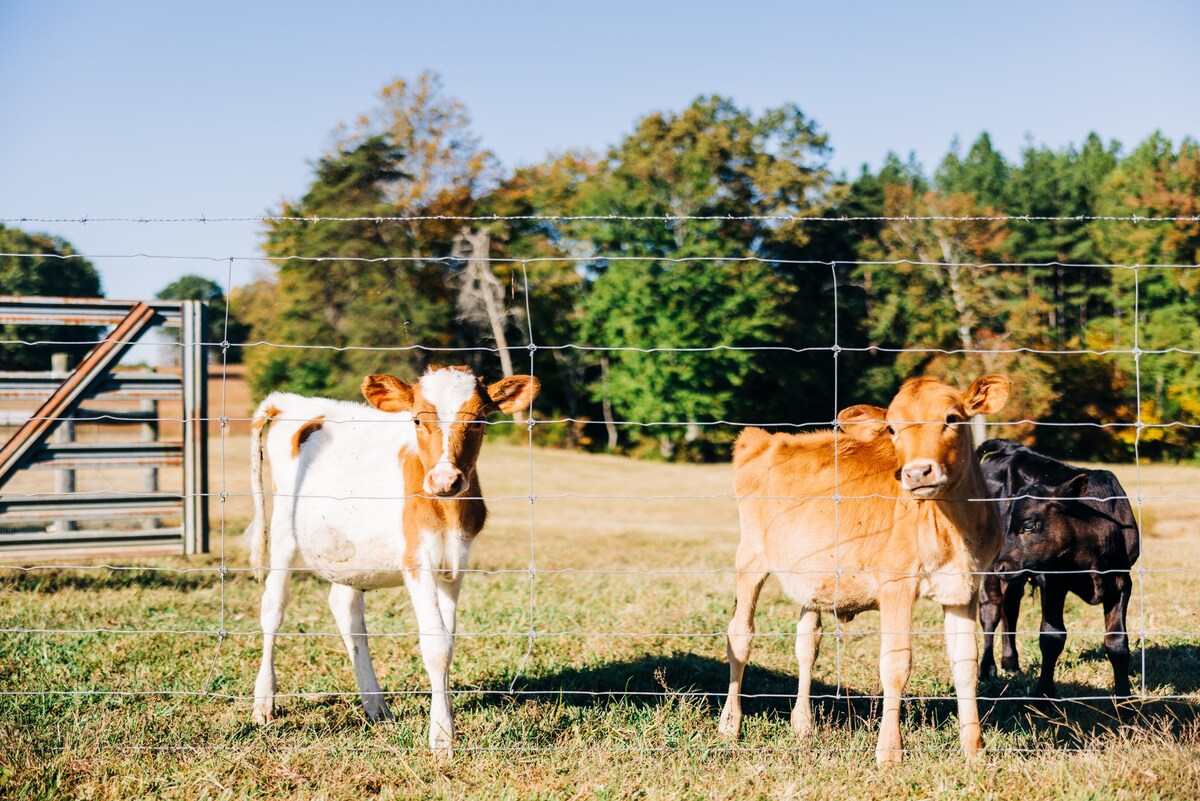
[444,480]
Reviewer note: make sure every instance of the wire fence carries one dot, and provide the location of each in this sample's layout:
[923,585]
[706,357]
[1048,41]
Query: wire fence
[1153,564]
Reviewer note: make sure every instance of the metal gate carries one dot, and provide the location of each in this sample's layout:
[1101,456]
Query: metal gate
[53,516]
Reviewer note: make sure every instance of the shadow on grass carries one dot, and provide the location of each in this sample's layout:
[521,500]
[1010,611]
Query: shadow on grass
[106,579]
[653,680]
[649,679]
[1082,711]
[1170,670]
[103,578]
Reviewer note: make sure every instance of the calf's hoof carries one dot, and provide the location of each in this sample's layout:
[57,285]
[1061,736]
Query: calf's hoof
[889,756]
[801,723]
[987,670]
[380,714]
[442,745]
[972,742]
[1010,664]
[1045,690]
[731,722]
[889,750]
[264,711]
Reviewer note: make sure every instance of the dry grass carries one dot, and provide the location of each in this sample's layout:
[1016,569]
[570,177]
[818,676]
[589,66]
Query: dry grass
[615,696]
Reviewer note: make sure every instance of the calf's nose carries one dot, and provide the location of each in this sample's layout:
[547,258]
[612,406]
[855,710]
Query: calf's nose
[918,473]
[1004,566]
[444,480]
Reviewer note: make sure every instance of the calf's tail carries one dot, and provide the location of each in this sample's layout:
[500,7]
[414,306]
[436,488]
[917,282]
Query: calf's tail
[257,536]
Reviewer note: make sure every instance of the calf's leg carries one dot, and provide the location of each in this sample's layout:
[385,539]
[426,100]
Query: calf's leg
[751,574]
[895,665]
[1054,635]
[437,651]
[808,643]
[991,598]
[1116,641]
[1010,612]
[347,606]
[448,601]
[962,650]
[274,602]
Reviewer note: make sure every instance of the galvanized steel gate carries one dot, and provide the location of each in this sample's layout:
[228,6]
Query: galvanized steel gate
[71,523]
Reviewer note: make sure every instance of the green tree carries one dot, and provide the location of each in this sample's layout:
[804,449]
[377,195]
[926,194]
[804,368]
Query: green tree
[44,272]
[678,331]
[943,300]
[532,246]
[223,325]
[984,174]
[716,161]
[1157,180]
[380,298]
[1061,184]
[865,373]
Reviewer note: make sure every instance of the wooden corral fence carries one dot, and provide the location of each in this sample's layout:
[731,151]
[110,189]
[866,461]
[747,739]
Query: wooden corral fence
[123,407]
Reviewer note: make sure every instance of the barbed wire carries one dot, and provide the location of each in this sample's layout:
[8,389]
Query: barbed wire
[590,422]
[607,259]
[656,218]
[867,349]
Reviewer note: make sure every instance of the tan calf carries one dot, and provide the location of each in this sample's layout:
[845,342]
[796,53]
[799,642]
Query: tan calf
[884,512]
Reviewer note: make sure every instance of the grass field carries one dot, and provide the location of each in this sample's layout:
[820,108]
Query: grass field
[116,683]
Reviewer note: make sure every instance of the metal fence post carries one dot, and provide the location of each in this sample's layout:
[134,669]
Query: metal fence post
[149,433]
[64,479]
[195,427]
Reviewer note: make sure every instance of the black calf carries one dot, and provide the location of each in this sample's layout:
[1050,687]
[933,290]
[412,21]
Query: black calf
[1066,530]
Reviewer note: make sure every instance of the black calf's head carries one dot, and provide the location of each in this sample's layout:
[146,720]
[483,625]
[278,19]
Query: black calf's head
[1040,535]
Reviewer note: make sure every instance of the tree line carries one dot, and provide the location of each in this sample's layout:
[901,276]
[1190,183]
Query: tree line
[796,291]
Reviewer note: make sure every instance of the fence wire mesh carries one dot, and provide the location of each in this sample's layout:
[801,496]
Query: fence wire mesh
[540,620]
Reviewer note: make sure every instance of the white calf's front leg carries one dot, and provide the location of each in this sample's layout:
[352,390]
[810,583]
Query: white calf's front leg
[447,592]
[437,650]
[963,652]
[347,605]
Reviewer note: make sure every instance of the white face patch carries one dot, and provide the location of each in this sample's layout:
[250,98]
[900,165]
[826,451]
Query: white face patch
[447,390]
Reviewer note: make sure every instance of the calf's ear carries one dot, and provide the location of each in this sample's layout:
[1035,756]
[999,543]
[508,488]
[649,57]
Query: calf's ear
[986,395]
[387,393]
[514,393]
[1075,488]
[862,422]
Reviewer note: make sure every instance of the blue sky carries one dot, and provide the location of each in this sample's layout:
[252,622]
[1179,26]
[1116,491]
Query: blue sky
[170,109]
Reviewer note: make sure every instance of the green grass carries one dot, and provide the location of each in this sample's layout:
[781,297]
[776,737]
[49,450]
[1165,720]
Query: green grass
[616,696]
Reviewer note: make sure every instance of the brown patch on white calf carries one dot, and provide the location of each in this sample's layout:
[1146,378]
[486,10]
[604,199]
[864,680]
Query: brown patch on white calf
[304,432]
[269,414]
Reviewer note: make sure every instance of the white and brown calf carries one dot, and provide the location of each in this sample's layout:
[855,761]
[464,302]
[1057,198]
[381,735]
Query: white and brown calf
[376,496]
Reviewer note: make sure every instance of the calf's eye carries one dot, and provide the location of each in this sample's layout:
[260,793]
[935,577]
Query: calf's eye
[953,419]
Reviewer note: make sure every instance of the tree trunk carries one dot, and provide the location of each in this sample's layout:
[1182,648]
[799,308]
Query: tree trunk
[481,295]
[606,405]
[666,447]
